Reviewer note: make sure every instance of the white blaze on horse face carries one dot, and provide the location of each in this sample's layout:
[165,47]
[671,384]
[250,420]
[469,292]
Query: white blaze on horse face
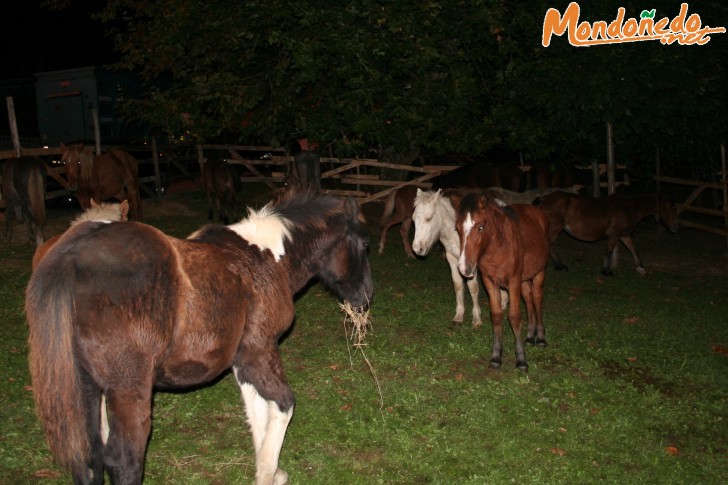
[265,229]
[468,224]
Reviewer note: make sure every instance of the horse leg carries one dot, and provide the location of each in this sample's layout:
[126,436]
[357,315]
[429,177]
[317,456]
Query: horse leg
[629,244]
[385,227]
[404,232]
[93,407]
[611,247]
[130,421]
[457,282]
[527,295]
[514,318]
[269,406]
[474,288]
[537,287]
[496,317]
[10,213]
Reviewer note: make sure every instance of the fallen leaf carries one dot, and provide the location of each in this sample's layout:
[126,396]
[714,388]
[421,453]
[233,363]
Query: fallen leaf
[720,349]
[558,451]
[28,388]
[345,407]
[672,450]
[334,366]
[563,430]
[632,359]
[631,320]
[45,473]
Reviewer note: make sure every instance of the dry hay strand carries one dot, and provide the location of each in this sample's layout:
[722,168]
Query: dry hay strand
[357,325]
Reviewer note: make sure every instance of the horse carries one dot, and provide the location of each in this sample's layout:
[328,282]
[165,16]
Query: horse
[117,309]
[106,211]
[434,218]
[100,177]
[613,218]
[510,197]
[398,209]
[509,246]
[23,188]
[221,180]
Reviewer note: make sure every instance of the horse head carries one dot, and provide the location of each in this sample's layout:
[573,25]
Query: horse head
[427,222]
[71,160]
[473,227]
[347,273]
[666,213]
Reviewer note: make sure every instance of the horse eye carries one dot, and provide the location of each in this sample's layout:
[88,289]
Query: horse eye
[480,228]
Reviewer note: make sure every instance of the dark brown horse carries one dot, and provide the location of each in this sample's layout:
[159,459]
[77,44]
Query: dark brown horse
[221,181]
[115,309]
[23,188]
[111,175]
[398,209]
[613,218]
[509,246]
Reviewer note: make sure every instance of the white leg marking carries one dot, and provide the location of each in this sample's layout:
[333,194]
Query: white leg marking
[268,426]
[104,421]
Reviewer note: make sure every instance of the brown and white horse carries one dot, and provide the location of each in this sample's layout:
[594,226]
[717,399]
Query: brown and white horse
[117,309]
[509,246]
[23,188]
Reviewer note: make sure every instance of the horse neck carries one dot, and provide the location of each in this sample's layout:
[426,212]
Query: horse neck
[446,215]
[305,256]
[647,205]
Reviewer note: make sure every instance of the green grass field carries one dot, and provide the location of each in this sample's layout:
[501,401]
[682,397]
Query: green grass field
[633,387]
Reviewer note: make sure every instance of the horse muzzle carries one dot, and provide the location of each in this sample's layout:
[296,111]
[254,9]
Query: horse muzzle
[467,270]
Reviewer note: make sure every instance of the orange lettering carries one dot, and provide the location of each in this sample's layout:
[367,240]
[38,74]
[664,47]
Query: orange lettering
[554,23]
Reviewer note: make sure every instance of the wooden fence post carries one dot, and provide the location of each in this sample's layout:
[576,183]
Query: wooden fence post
[13,126]
[97,129]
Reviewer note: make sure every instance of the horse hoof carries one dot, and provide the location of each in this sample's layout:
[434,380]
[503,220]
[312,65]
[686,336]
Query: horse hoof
[522,365]
[607,272]
[495,363]
[477,324]
[456,323]
[541,342]
[530,340]
[561,267]
[641,271]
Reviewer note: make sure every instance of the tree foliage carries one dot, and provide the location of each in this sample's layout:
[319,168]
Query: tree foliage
[429,76]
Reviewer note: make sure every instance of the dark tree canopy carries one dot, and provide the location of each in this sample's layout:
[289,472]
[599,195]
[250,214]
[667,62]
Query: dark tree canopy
[422,77]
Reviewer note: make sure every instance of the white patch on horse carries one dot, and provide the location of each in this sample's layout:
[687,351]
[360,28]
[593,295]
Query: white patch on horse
[265,229]
[468,224]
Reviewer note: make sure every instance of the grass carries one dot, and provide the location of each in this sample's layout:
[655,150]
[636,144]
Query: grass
[632,388]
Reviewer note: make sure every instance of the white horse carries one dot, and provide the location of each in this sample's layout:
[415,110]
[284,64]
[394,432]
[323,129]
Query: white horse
[434,218]
[509,197]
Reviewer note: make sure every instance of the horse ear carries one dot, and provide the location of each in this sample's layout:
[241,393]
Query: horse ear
[419,191]
[455,199]
[351,208]
[124,210]
[94,204]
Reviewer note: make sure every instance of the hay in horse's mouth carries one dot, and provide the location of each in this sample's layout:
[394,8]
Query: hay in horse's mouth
[356,323]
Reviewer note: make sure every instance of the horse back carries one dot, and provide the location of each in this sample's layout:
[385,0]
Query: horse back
[534,229]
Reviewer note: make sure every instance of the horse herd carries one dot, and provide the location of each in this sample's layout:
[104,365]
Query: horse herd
[117,308]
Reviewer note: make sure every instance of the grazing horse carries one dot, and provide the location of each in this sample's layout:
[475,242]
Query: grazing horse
[23,188]
[434,218]
[398,209]
[101,177]
[613,218]
[115,309]
[106,211]
[509,246]
[221,180]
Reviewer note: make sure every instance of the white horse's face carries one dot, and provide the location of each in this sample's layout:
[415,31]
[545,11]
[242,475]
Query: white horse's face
[427,222]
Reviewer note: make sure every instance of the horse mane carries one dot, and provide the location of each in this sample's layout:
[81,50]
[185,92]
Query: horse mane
[106,211]
[279,220]
[86,159]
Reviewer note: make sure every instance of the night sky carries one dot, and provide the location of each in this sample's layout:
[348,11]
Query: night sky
[33,39]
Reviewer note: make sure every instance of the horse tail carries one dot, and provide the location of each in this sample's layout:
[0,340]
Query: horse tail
[54,366]
[388,207]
